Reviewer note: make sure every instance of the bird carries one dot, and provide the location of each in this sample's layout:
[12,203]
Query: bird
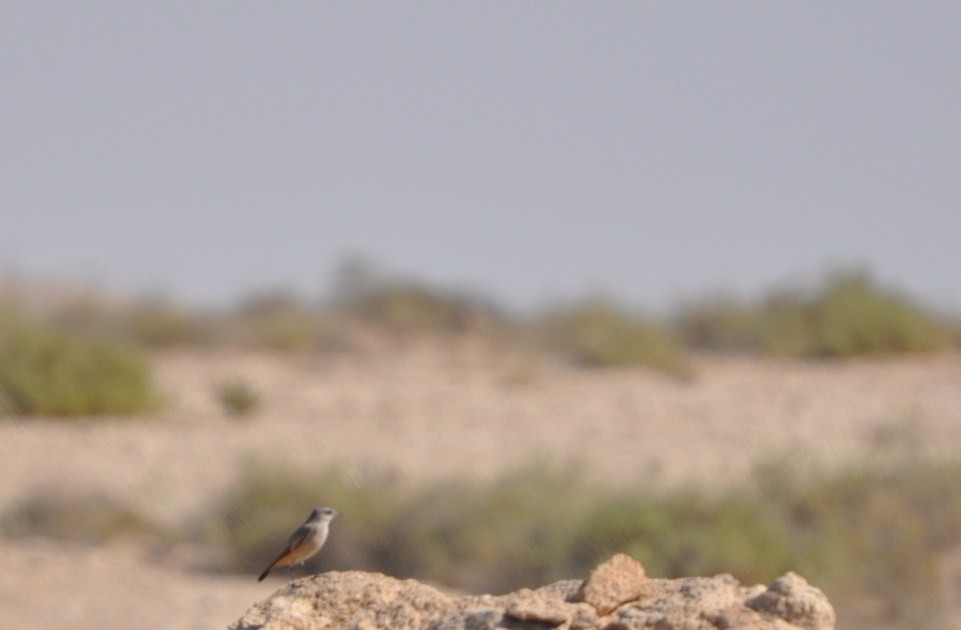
[305,542]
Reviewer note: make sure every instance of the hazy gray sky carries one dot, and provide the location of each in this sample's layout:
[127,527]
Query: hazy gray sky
[524,149]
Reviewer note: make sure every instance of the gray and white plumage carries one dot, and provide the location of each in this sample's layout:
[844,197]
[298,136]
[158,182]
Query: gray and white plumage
[306,541]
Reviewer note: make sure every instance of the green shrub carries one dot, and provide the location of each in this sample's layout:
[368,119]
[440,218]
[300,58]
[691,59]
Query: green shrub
[237,398]
[850,315]
[688,533]
[91,519]
[45,371]
[516,531]
[287,332]
[600,334]
[871,533]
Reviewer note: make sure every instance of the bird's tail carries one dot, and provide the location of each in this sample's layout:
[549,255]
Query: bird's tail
[282,559]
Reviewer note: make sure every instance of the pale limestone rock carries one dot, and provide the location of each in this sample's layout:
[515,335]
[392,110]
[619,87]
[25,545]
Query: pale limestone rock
[791,598]
[367,601]
[620,579]
[533,606]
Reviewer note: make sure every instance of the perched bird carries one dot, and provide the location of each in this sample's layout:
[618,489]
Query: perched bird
[305,542]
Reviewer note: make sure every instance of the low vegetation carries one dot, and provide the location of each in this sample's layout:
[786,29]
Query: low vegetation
[870,535]
[257,517]
[237,398]
[412,308]
[406,307]
[47,371]
[849,316]
[158,324]
[276,321]
[93,519]
[83,359]
[600,334]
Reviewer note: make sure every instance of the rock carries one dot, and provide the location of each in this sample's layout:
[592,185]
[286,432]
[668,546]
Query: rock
[353,599]
[535,606]
[694,603]
[620,579]
[616,596]
[791,598]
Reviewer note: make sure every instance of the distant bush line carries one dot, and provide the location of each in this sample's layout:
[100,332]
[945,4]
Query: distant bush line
[848,315]
[870,535]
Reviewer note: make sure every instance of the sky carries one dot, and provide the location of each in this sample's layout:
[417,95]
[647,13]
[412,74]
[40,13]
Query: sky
[528,151]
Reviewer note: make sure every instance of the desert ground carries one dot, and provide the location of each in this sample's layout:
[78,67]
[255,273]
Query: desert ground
[422,413]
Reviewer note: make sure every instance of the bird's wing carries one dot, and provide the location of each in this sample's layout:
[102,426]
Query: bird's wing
[296,539]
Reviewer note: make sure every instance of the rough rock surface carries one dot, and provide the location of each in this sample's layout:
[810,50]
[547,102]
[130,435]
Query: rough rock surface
[619,580]
[364,601]
[792,599]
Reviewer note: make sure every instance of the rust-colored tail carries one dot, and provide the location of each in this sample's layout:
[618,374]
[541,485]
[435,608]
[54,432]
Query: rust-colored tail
[279,561]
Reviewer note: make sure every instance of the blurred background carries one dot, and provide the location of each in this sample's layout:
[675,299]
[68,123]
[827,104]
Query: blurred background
[514,286]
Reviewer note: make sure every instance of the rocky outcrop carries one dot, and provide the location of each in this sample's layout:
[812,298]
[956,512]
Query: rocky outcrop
[617,595]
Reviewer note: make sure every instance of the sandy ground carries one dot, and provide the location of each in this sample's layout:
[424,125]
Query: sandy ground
[423,414]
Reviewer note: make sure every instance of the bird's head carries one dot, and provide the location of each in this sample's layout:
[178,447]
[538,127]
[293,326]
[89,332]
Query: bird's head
[324,515]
